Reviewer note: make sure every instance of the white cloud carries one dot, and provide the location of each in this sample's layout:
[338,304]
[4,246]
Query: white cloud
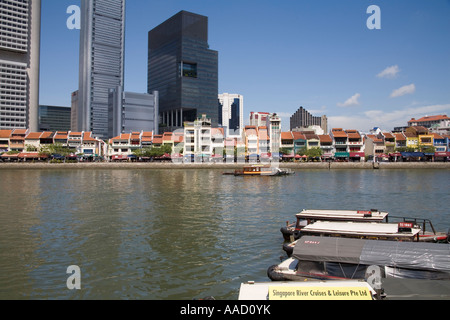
[353,101]
[409,89]
[389,72]
[365,121]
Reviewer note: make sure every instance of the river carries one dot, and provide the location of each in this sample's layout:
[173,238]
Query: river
[177,234]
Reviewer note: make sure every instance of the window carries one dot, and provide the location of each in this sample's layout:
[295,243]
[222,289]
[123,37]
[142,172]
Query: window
[189,69]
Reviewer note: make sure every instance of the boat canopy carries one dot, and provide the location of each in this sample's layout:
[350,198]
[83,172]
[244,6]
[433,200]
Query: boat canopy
[409,255]
[360,229]
[349,215]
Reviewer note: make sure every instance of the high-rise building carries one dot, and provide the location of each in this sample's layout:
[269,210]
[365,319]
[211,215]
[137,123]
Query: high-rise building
[102,42]
[20,28]
[183,69]
[303,119]
[54,118]
[231,113]
[132,112]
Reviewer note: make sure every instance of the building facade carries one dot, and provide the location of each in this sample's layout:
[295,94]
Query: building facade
[183,69]
[231,113]
[20,27]
[132,112]
[54,118]
[102,42]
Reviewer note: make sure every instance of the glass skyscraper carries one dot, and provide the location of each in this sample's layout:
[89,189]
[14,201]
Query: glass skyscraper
[183,69]
[102,42]
[20,28]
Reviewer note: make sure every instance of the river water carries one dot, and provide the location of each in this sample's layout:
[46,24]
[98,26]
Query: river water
[177,234]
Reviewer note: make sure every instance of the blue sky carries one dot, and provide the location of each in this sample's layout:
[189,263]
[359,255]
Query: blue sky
[284,54]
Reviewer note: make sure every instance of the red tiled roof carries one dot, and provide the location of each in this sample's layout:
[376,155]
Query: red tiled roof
[339,133]
[399,137]
[20,132]
[298,135]
[431,118]
[325,138]
[374,138]
[88,137]
[34,135]
[286,136]
[5,133]
[353,134]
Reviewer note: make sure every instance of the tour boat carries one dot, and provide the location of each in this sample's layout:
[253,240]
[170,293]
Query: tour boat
[336,258]
[403,231]
[305,218]
[260,170]
[308,216]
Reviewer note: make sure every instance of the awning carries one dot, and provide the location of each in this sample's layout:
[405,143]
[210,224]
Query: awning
[120,157]
[31,155]
[442,154]
[342,154]
[11,156]
[412,154]
[395,154]
[357,155]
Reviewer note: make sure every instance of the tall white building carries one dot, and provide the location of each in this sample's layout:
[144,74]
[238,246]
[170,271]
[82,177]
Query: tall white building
[231,113]
[102,50]
[20,28]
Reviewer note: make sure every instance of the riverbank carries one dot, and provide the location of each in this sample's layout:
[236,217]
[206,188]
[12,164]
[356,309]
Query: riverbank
[224,166]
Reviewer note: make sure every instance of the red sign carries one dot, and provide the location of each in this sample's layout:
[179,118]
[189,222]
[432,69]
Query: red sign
[405,225]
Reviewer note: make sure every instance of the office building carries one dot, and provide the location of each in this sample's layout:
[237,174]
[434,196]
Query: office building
[54,118]
[20,28]
[231,113]
[102,42]
[183,69]
[303,119]
[132,112]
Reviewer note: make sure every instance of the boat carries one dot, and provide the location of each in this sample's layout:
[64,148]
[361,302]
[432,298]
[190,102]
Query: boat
[291,232]
[403,231]
[336,258]
[260,170]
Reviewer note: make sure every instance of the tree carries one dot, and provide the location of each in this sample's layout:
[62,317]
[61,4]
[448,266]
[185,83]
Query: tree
[57,148]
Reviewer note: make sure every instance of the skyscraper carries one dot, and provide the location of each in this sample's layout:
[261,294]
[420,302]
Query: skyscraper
[231,113]
[183,69]
[102,43]
[20,28]
[132,112]
[303,119]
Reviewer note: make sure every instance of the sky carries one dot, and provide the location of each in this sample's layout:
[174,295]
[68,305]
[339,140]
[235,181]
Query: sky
[283,54]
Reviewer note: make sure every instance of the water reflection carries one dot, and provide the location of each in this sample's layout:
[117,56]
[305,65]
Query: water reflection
[175,234]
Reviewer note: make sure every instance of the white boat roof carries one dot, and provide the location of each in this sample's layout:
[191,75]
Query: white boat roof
[358,228]
[350,215]
[260,291]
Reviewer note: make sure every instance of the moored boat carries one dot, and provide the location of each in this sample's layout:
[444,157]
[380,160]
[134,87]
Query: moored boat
[292,231]
[335,258]
[376,231]
[306,218]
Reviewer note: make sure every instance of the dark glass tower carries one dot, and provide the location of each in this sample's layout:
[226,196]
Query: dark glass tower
[183,69]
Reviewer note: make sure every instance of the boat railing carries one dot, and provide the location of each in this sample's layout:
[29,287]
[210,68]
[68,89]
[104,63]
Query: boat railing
[418,221]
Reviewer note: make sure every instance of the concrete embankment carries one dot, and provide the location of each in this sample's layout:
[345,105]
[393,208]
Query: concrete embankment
[173,166]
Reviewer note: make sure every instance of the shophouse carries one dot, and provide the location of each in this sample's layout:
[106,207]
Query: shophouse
[299,141]
[326,145]
[33,141]
[340,143]
[374,147]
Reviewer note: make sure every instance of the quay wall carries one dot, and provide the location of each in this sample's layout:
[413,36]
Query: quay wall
[169,165]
